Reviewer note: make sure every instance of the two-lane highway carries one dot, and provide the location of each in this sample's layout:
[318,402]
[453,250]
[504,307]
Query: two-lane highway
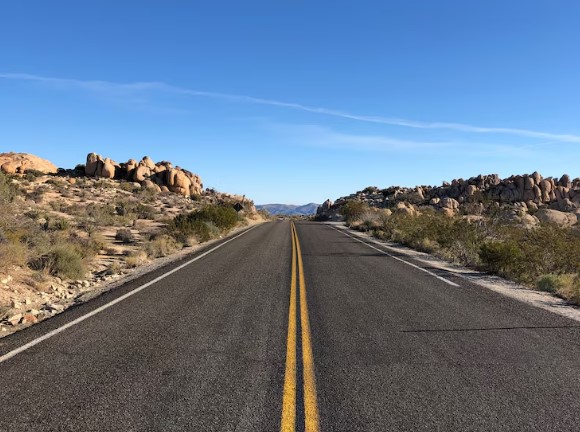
[294,328]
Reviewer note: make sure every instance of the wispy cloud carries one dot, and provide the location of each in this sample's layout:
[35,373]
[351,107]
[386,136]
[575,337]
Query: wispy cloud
[325,137]
[136,88]
[319,136]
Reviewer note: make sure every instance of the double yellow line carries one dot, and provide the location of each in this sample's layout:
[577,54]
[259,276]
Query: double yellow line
[288,422]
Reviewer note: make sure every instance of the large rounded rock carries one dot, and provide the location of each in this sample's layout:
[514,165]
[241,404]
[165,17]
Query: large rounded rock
[471,189]
[565,181]
[556,217]
[141,173]
[20,163]
[13,167]
[92,164]
[130,166]
[149,185]
[148,162]
[108,169]
[182,180]
[449,203]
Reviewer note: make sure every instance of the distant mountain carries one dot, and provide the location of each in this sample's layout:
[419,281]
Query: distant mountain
[288,209]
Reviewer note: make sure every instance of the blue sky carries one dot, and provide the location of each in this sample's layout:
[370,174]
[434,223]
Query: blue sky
[295,101]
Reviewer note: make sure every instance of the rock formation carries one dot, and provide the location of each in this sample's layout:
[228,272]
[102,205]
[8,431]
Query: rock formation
[161,176]
[20,163]
[528,192]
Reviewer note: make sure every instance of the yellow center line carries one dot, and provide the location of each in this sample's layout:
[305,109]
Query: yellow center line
[311,423]
[288,423]
[311,418]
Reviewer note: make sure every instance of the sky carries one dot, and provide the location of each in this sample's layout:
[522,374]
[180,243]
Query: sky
[296,101]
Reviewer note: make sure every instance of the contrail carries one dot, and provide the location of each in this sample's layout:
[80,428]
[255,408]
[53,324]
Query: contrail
[108,86]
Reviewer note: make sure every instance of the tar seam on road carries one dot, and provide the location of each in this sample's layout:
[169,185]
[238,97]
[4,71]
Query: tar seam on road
[311,417]
[447,281]
[114,302]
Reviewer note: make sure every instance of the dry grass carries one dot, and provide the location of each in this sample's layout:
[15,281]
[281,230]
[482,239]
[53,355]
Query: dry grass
[565,285]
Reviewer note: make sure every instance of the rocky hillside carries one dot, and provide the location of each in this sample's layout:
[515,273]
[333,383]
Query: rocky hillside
[66,234]
[531,197]
[289,210]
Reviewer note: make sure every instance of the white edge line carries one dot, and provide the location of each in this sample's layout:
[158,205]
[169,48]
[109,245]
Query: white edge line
[113,302]
[398,259]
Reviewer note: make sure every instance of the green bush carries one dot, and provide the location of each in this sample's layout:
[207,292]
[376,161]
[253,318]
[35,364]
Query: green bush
[65,262]
[31,175]
[501,257]
[565,285]
[204,224]
[88,247]
[125,235]
[551,282]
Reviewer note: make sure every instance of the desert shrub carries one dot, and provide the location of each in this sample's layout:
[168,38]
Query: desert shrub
[12,254]
[160,246]
[501,257]
[265,214]
[37,195]
[33,214]
[88,225]
[368,220]
[114,268]
[565,285]
[570,289]
[134,209]
[353,210]
[224,218]
[144,211]
[58,205]
[136,259]
[57,224]
[147,195]
[32,175]
[102,214]
[8,190]
[204,224]
[125,235]
[88,247]
[65,262]
[104,184]
[129,187]
[552,282]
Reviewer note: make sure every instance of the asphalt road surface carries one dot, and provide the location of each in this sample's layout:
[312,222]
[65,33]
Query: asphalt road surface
[271,332]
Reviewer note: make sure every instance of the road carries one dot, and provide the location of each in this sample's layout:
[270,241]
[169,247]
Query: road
[271,332]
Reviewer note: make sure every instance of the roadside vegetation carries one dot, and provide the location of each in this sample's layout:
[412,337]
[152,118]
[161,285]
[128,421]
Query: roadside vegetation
[40,241]
[65,236]
[546,257]
[208,222]
[61,237]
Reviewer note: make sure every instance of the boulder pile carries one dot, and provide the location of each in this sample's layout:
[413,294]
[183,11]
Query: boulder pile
[528,192]
[20,163]
[160,176]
